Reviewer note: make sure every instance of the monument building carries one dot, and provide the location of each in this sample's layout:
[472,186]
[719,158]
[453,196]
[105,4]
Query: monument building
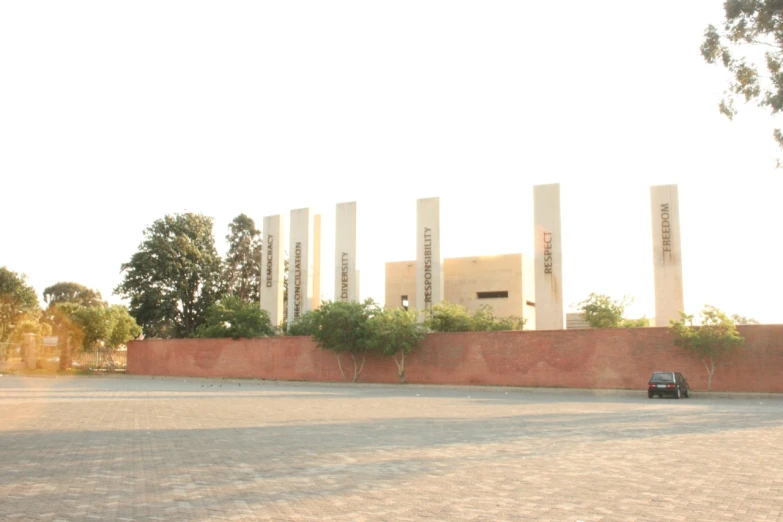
[505,282]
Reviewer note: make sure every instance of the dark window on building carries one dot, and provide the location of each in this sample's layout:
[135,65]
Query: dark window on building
[404,301]
[530,303]
[492,295]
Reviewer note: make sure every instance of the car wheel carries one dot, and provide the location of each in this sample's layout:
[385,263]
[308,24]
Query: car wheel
[679,394]
[687,393]
[649,395]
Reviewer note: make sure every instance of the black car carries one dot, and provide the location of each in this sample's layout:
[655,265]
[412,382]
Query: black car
[668,383]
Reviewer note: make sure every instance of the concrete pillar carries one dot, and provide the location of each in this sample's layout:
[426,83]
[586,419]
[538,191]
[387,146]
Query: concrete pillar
[548,257]
[667,253]
[300,264]
[429,259]
[316,303]
[274,269]
[30,351]
[346,283]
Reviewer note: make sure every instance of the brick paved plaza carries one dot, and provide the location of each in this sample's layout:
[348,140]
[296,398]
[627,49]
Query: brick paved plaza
[130,448]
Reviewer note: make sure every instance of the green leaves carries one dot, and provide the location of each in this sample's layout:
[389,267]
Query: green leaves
[601,311]
[18,303]
[394,331]
[714,342]
[235,318]
[104,326]
[749,25]
[242,267]
[174,277]
[448,317]
[68,292]
[342,326]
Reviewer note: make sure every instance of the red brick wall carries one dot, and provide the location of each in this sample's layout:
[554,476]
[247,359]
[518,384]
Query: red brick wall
[611,358]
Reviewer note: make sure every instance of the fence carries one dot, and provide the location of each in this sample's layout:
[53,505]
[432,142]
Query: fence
[10,352]
[101,360]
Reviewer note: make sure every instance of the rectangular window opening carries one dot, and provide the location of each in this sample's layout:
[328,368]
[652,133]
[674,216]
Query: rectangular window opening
[492,295]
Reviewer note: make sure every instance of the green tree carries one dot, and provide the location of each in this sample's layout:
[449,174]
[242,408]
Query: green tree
[715,342]
[750,38]
[18,303]
[242,266]
[394,333]
[233,317]
[739,319]
[341,327]
[449,317]
[174,277]
[303,325]
[67,292]
[510,322]
[601,311]
[484,320]
[104,329]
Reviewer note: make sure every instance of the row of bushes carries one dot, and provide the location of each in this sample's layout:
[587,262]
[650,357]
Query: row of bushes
[355,329]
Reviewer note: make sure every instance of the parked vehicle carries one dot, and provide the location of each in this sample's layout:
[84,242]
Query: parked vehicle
[668,383]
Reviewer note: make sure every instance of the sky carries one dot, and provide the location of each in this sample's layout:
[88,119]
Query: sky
[114,114]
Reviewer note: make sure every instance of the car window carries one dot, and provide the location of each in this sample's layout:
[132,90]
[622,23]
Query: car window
[666,377]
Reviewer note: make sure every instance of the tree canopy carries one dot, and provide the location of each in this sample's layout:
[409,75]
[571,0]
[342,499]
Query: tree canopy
[341,327]
[714,342]
[105,327]
[18,303]
[174,277]
[235,318]
[68,292]
[394,333]
[601,311]
[242,266]
[750,38]
[450,317]
[741,319]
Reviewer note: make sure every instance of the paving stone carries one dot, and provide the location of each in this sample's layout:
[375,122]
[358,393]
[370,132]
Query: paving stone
[130,448]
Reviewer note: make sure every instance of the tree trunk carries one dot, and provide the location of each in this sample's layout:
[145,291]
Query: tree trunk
[357,370]
[340,365]
[401,367]
[710,372]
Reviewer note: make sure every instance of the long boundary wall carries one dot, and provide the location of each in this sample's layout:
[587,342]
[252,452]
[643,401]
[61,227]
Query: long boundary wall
[605,358]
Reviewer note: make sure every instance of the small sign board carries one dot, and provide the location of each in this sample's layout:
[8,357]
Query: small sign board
[50,341]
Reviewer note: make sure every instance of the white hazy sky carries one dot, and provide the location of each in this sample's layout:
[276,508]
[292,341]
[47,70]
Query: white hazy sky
[113,114]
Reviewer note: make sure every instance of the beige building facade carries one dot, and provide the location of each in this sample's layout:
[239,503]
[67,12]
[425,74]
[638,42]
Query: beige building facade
[505,282]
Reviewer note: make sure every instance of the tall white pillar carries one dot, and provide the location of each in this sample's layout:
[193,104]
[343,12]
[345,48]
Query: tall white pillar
[316,303]
[274,271]
[346,284]
[667,253]
[300,264]
[548,257]
[429,260]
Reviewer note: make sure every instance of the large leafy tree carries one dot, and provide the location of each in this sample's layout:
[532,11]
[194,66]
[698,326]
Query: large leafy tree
[105,327]
[601,311]
[174,277]
[242,267]
[750,38]
[715,342]
[236,318]
[395,333]
[68,292]
[341,327]
[18,303]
